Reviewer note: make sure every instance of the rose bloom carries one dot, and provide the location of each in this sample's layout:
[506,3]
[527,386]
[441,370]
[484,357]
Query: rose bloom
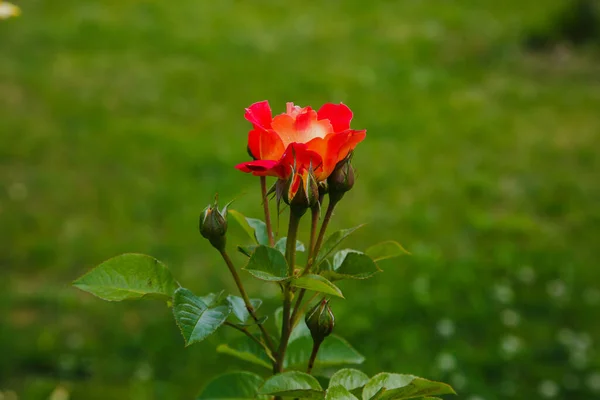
[299,141]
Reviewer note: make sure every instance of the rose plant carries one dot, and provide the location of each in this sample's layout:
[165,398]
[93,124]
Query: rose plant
[309,153]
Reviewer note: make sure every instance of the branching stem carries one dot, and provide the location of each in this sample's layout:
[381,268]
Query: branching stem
[290,253]
[246,299]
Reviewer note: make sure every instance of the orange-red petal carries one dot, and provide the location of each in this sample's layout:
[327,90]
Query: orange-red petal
[259,114]
[338,114]
[258,167]
[265,144]
[334,148]
[297,157]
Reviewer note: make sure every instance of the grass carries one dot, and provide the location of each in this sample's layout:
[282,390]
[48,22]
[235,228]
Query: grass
[119,122]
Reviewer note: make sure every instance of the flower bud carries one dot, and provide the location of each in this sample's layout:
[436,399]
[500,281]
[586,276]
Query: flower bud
[341,179]
[213,225]
[320,321]
[300,192]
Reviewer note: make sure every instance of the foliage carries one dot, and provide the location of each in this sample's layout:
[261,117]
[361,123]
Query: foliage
[118,122]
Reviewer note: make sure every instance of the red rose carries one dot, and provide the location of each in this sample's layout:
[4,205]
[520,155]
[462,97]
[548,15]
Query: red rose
[299,140]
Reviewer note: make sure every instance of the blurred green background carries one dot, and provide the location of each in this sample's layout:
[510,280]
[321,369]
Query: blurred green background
[120,120]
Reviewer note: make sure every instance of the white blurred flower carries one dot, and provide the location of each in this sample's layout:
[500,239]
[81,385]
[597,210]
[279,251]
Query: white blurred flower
[8,10]
[526,274]
[548,389]
[503,293]
[445,327]
[511,345]
[446,362]
[459,381]
[593,382]
[510,318]
[557,289]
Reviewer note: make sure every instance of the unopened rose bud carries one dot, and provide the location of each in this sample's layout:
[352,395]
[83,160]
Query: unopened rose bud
[341,179]
[213,225]
[320,321]
[300,192]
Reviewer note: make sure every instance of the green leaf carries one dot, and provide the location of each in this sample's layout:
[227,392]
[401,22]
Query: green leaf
[128,276]
[351,264]
[197,319]
[246,349]
[338,392]
[317,283]
[233,386]
[292,384]
[268,264]
[385,250]
[332,242]
[255,228]
[282,243]
[238,307]
[386,386]
[349,378]
[334,351]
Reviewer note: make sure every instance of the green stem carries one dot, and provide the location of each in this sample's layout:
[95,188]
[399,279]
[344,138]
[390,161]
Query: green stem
[265,201]
[246,299]
[313,252]
[290,254]
[313,230]
[299,310]
[313,356]
[324,225]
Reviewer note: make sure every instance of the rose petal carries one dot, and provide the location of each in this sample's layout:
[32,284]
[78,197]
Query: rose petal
[297,157]
[258,167]
[259,114]
[334,148]
[338,114]
[265,144]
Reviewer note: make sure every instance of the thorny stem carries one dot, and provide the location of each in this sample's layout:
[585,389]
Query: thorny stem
[246,299]
[251,336]
[313,356]
[290,253]
[265,201]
